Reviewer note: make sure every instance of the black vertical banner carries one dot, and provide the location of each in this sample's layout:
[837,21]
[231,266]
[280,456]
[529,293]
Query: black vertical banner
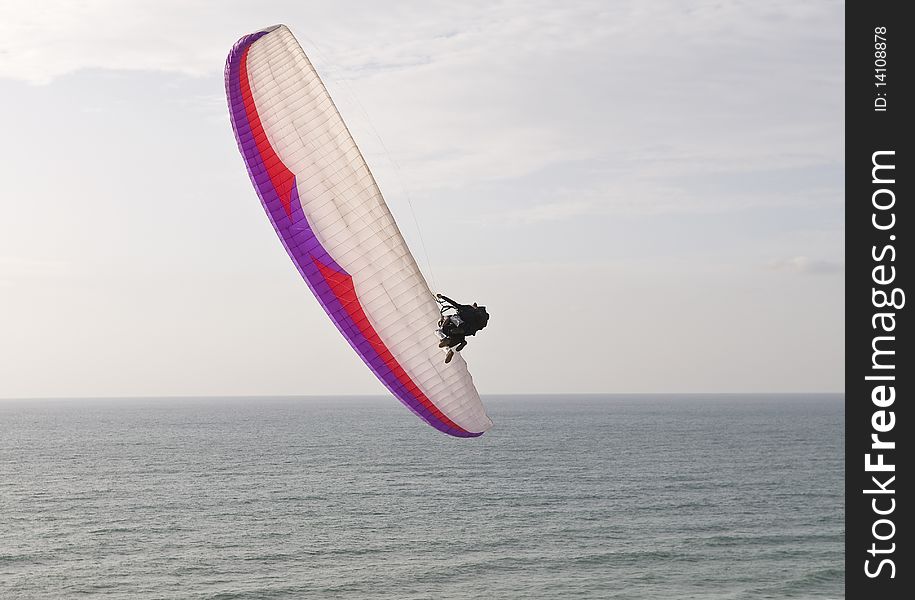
[880,378]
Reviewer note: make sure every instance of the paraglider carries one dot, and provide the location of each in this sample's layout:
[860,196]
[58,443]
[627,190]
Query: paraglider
[330,216]
[457,322]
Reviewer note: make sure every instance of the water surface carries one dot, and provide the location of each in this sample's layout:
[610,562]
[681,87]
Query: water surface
[629,497]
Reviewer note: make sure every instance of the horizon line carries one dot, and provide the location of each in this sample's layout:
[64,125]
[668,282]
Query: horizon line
[353,396]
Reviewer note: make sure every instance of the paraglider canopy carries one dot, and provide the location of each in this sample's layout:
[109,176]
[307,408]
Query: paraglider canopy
[330,216]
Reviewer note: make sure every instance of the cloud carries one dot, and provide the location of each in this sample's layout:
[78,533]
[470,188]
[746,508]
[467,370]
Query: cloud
[805,265]
[17,269]
[542,213]
[44,41]
[651,194]
[491,91]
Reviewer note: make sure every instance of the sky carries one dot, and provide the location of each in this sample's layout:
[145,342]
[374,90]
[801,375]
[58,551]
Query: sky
[647,196]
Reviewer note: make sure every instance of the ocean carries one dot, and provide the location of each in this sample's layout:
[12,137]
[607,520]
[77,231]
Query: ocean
[625,497]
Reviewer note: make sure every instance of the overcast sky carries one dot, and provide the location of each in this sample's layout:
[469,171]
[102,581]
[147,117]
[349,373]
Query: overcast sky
[648,195]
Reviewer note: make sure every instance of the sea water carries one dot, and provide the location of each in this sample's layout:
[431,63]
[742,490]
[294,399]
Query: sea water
[636,497]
